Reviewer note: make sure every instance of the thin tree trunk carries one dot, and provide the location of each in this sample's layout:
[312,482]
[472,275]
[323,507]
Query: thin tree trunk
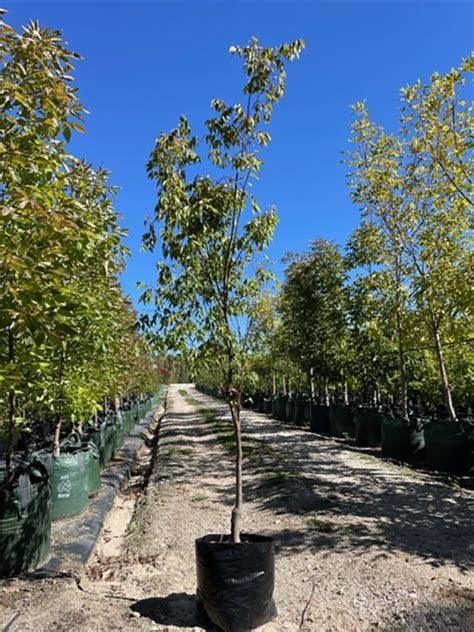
[326,391]
[311,381]
[57,429]
[346,393]
[284,384]
[57,435]
[237,509]
[11,411]
[402,387]
[376,396]
[443,371]
[274,382]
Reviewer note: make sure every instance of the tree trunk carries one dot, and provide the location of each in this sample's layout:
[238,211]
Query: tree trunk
[326,392]
[11,412]
[346,393]
[284,384]
[57,435]
[311,381]
[234,406]
[402,387]
[443,371]
[376,396]
[274,382]
[57,429]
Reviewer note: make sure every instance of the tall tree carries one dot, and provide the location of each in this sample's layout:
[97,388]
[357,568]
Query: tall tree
[314,313]
[415,188]
[213,230]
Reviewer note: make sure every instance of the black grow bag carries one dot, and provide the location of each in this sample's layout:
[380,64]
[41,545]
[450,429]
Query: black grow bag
[299,412]
[320,419]
[449,446]
[281,407]
[290,410]
[402,438]
[341,420]
[368,427]
[235,581]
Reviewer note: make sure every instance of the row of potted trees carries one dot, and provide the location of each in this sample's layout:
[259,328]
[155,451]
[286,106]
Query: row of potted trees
[46,487]
[445,446]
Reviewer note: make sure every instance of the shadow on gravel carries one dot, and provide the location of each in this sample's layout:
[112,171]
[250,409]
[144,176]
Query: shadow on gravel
[358,506]
[460,612]
[189,430]
[179,609]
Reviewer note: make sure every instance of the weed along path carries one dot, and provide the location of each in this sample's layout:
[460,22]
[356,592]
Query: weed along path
[361,544]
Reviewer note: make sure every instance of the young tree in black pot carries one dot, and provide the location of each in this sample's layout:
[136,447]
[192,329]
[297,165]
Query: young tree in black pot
[212,230]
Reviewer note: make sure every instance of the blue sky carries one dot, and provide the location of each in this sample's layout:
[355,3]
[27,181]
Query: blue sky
[148,62]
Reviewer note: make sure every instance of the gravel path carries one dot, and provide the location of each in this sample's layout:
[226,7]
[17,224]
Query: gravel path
[361,544]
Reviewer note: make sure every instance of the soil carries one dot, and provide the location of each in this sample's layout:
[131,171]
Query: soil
[362,544]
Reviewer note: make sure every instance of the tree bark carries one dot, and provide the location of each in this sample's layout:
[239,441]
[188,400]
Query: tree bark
[11,412]
[402,387]
[57,429]
[443,371]
[311,381]
[234,406]
[346,393]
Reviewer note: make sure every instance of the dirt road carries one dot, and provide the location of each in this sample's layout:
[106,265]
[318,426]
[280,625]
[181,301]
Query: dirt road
[361,544]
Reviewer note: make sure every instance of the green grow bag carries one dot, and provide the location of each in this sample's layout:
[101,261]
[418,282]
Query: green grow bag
[92,458]
[95,437]
[119,431]
[69,485]
[341,420]
[401,439]
[25,522]
[127,419]
[320,419]
[448,446]
[368,427]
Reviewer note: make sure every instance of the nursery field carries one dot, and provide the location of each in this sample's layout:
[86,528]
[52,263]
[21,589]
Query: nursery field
[361,543]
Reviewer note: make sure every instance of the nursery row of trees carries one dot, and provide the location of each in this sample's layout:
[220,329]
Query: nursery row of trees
[389,317]
[68,335]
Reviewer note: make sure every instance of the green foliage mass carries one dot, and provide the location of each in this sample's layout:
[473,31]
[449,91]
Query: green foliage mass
[68,337]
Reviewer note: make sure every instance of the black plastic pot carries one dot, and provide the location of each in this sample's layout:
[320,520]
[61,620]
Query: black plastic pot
[341,420]
[320,419]
[401,438]
[235,582]
[449,446]
[368,427]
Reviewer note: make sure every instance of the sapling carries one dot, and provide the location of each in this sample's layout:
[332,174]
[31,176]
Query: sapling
[212,230]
